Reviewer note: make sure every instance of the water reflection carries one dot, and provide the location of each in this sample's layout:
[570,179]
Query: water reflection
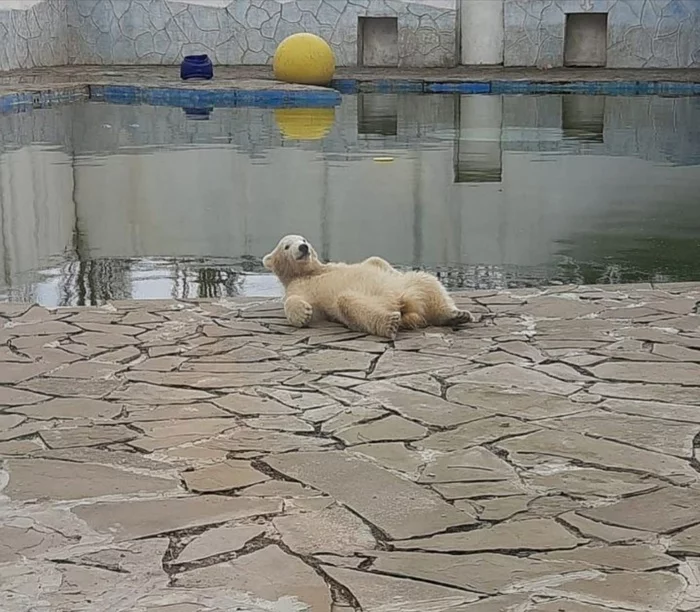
[304,123]
[102,201]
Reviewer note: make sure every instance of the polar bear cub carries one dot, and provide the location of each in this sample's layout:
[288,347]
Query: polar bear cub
[370,296]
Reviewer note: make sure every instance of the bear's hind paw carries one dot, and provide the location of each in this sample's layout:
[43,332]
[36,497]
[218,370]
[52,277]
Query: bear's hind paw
[391,326]
[460,317]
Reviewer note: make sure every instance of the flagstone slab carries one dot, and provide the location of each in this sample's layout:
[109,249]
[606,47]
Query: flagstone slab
[654,372]
[220,540]
[602,453]
[127,520]
[332,530]
[525,535]
[418,406]
[672,394]
[664,510]
[371,492]
[668,437]
[62,480]
[380,592]
[71,408]
[91,435]
[144,393]
[268,574]
[653,591]
[224,476]
[387,429]
[509,375]
[529,405]
[488,573]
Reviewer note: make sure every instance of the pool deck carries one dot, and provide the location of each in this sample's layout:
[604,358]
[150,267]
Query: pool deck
[44,86]
[204,456]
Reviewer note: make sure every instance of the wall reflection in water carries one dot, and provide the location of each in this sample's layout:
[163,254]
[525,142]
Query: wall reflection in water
[103,201]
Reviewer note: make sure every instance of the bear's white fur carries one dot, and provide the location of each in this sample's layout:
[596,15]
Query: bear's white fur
[370,296]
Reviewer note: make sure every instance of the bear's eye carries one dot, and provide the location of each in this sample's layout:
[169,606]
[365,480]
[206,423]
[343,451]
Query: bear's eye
[286,248]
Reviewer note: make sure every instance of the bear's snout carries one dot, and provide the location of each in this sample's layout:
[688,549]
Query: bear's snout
[302,251]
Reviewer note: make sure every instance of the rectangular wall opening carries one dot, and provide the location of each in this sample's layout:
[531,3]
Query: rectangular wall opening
[378,41]
[586,40]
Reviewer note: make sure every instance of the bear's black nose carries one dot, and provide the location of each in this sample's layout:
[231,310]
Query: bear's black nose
[304,248]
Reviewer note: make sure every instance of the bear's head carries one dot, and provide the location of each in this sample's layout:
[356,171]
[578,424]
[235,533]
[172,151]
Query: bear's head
[293,257]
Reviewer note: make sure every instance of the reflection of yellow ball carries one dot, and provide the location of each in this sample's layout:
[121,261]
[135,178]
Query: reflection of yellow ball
[304,58]
[305,123]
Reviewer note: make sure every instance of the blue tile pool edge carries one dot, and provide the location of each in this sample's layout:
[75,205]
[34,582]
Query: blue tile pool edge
[169,96]
[620,88]
[209,98]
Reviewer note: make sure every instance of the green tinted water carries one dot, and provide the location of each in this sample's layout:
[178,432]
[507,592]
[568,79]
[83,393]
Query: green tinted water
[103,201]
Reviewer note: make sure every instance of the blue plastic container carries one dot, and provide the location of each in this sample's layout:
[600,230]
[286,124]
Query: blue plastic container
[196,67]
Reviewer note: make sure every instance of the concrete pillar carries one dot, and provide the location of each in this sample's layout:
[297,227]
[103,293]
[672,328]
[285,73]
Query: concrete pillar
[482,31]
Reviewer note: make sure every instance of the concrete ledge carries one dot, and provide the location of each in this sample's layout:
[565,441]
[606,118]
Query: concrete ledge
[43,98]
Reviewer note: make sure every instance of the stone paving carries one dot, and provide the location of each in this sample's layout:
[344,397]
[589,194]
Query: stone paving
[206,457]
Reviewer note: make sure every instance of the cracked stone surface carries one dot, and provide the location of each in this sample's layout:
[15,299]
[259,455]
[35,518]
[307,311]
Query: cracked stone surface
[223,476]
[372,493]
[534,534]
[55,32]
[318,469]
[269,574]
[218,541]
[378,592]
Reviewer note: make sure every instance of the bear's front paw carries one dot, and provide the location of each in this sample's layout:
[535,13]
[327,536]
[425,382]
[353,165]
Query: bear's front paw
[299,313]
[390,326]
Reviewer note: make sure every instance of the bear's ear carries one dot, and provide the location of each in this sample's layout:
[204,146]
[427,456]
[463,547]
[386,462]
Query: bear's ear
[267,261]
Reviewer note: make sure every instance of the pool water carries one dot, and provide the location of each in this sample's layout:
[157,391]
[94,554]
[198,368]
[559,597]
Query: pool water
[101,201]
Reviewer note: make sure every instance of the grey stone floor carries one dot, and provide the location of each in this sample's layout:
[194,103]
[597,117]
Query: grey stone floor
[204,456]
[255,77]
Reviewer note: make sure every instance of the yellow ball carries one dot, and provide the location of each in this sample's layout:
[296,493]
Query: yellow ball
[305,123]
[304,58]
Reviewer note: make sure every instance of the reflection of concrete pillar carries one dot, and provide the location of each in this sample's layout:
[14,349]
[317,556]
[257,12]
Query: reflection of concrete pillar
[478,154]
[482,31]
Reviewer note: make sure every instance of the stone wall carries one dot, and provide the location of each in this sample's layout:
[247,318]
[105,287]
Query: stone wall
[634,34]
[640,34]
[248,31]
[33,33]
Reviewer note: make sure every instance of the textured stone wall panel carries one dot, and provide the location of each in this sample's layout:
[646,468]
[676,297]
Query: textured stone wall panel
[37,36]
[248,31]
[641,33]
